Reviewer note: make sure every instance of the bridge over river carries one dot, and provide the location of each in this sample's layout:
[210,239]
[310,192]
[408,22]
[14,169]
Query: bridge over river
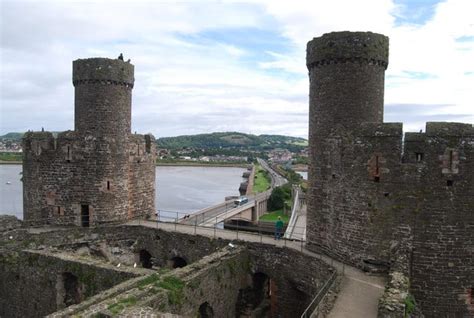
[251,211]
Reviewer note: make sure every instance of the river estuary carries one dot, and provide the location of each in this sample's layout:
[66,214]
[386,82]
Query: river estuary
[178,189]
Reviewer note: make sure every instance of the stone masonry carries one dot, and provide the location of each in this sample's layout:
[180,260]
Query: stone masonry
[99,172]
[371,187]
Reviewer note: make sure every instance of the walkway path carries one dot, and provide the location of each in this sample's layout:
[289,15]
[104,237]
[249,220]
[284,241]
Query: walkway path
[359,292]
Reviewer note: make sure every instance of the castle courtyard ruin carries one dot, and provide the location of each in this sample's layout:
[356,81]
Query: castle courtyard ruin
[390,204]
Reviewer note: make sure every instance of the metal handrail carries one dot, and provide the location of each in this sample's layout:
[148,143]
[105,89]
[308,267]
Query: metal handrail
[292,222]
[319,296]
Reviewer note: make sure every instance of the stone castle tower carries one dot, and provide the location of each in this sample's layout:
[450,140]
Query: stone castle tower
[99,172]
[378,199]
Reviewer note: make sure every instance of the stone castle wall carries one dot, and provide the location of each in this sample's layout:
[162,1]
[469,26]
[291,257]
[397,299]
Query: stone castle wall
[33,282]
[96,173]
[370,188]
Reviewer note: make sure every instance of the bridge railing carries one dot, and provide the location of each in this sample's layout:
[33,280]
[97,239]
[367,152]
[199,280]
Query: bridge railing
[239,228]
[294,216]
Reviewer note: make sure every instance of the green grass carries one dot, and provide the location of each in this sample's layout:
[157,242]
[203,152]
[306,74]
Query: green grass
[273,216]
[153,278]
[11,156]
[122,304]
[262,181]
[175,289]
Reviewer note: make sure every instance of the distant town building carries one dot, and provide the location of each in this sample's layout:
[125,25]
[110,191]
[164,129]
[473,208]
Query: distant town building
[280,155]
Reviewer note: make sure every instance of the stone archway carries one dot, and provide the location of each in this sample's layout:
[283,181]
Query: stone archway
[177,262]
[69,292]
[145,259]
[255,300]
[205,311]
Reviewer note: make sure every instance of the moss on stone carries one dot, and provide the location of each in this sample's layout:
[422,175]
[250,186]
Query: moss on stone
[119,306]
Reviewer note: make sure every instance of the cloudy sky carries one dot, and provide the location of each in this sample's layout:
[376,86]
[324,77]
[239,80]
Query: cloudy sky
[203,66]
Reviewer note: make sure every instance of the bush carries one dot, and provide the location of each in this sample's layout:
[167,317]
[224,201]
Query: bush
[278,197]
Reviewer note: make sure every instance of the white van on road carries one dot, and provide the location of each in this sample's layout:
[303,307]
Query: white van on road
[240,201]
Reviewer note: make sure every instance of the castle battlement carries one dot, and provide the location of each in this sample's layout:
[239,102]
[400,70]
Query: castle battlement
[99,172]
[102,71]
[370,186]
[348,47]
[449,129]
[379,130]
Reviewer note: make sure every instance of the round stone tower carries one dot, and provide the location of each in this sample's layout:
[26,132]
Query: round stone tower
[103,94]
[346,72]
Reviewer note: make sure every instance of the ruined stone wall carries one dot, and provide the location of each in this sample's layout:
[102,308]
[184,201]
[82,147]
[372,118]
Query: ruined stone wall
[295,278]
[216,273]
[368,190]
[33,283]
[142,162]
[91,175]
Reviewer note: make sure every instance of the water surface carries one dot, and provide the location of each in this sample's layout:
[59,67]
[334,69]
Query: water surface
[179,189]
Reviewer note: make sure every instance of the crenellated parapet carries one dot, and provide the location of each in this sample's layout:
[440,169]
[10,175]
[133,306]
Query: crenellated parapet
[99,172]
[103,71]
[371,187]
[141,145]
[348,47]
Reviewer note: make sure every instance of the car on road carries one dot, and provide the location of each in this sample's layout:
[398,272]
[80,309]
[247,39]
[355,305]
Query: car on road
[240,201]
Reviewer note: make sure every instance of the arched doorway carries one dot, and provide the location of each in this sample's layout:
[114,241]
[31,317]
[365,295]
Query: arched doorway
[205,311]
[145,259]
[72,291]
[255,300]
[178,262]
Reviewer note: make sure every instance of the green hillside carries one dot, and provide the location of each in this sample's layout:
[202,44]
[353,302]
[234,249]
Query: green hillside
[218,140]
[232,140]
[14,136]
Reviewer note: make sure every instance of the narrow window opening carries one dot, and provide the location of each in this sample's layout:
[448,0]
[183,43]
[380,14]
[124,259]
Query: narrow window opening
[449,183]
[68,157]
[108,185]
[59,210]
[85,216]
[333,176]
[419,156]
[386,194]
[451,159]
[376,179]
[147,143]
[376,165]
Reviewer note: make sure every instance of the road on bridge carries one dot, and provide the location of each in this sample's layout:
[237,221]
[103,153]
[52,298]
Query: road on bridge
[217,213]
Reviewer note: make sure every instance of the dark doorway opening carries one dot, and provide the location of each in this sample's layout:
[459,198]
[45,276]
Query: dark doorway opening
[85,216]
[205,311]
[72,293]
[178,262]
[255,300]
[145,259]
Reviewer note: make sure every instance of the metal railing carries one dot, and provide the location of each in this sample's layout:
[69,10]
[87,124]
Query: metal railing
[294,215]
[314,306]
[211,222]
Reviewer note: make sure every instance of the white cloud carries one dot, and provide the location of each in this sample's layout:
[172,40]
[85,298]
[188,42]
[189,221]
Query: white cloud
[184,85]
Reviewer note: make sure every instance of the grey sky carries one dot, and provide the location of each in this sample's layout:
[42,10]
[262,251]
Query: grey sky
[205,66]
